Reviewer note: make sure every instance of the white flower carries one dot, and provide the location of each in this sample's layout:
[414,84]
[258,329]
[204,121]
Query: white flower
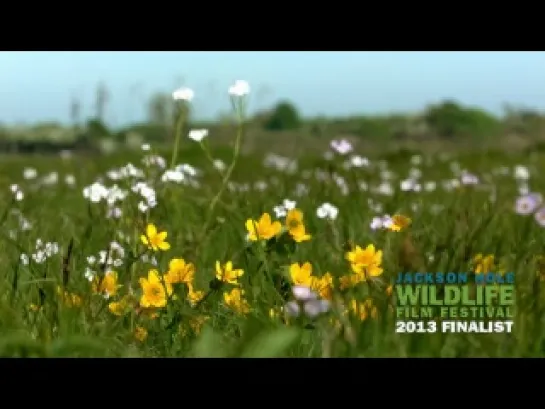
[342,147]
[146,147]
[313,308]
[183,94]
[198,134]
[303,293]
[30,173]
[522,172]
[239,89]
[173,176]
[327,211]
[280,211]
[289,204]
[95,193]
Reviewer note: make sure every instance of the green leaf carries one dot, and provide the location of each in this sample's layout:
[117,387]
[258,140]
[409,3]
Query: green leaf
[271,344]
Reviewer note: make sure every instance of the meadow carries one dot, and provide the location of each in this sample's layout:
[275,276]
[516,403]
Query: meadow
[184,252]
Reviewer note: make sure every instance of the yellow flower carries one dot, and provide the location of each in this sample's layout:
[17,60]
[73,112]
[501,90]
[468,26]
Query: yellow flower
[194,296]
[274,313]
[196,323]
[227,274]
[301,274]
[154,292]
[120,307]
[296,227]
[235,300]
[389,290]
[140,333]
[483,264]
[70,300]
[364,310]
[106,285]
[34,307]
[399,222]
[323,286]
[179,271]
[264,229]
[365,263]
[153,239]
[350,280]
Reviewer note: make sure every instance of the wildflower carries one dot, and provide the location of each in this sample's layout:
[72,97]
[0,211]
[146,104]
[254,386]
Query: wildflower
[398,223]
[194,296]
[307,301]
[363,310]
[323,286]
[239,89]
[106,286]
[154,293]
[120,307]
[295,226]
[179,271]
[366,263]
[327,211]
[264,228]
[183,94]
[301,274]
[69,299]
[389,290]
[196,323]
[350,280]
[198,134]
[342,146]
[528,204]
[521,173]
[235,300]
[540,216]
[155,240]
[34,307]
[140,333]
[227,274]
[483,264]
[274,313]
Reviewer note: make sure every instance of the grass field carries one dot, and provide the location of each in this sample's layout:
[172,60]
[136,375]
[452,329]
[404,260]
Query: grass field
[162,255]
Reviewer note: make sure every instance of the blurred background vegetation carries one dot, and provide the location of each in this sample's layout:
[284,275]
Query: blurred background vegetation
[447,125]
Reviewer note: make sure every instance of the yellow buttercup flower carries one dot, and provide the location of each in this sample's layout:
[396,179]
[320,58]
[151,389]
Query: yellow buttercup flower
[120,307]
[262,229]
[363,310]
[227,274]
[399,222]
[106,285]
[301,274]
[69,299]
[296,227]
[365,263]
[194,296]
[179,271]
[140,333]
[350,280]
[484,264]
[323,286]
[155,293]
[155,240]
[235,300]
[196,323]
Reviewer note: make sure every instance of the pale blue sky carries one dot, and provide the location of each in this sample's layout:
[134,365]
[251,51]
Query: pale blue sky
[37,86]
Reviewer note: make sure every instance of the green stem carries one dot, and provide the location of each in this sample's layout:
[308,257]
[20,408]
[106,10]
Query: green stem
[179,127]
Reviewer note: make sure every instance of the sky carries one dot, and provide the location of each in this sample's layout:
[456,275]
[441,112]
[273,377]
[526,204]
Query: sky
[38,86]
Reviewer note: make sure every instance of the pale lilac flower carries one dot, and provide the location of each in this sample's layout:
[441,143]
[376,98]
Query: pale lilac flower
[540,216]
[342,146]
[528,204]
